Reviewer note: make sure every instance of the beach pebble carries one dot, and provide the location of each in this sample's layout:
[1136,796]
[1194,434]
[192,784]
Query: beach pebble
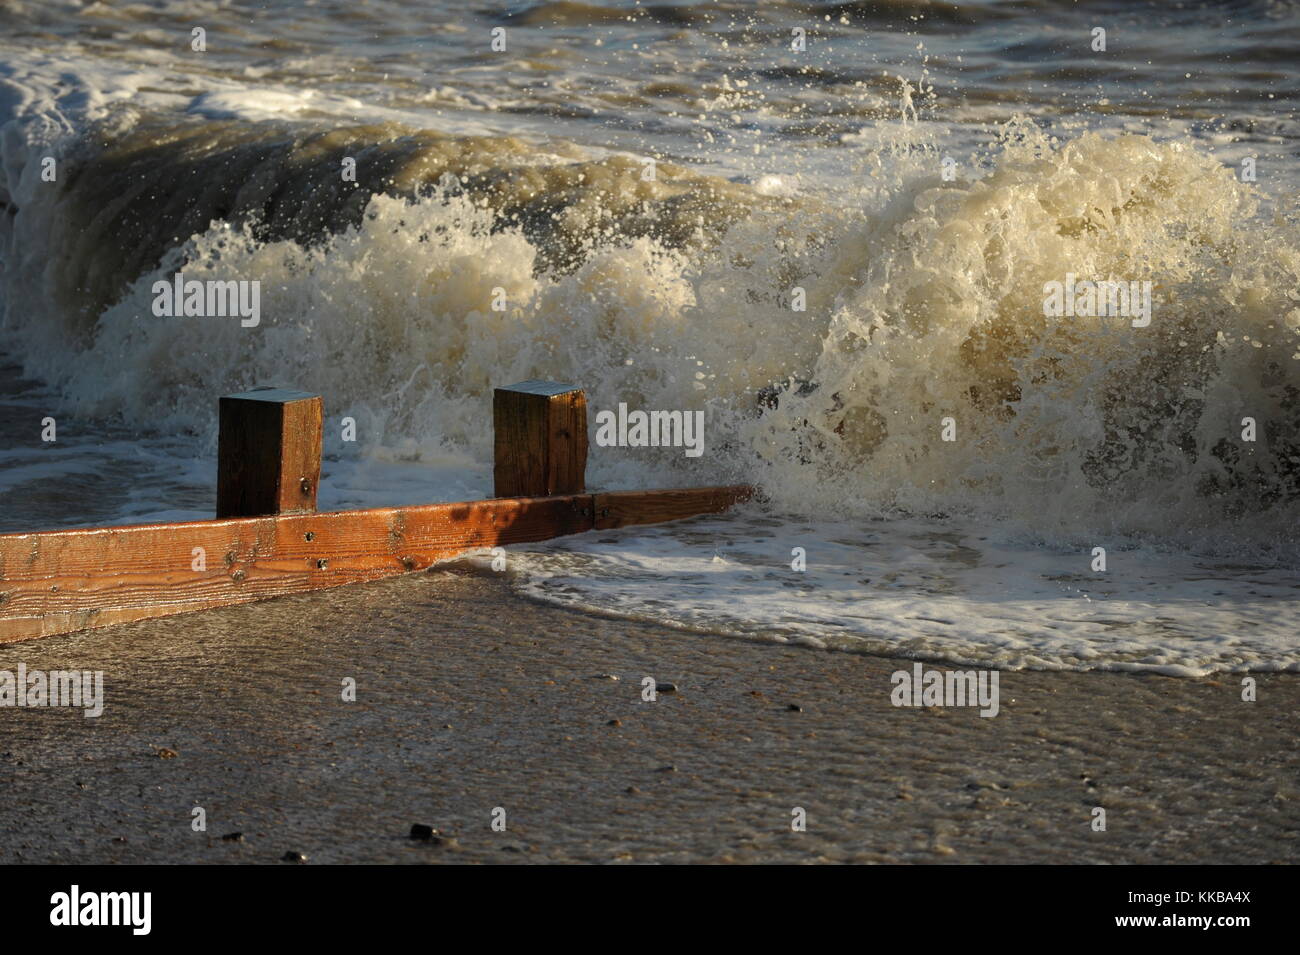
[666,769]
[294,857]
[233,837]
[666,687]
[794,708]
[614,723]
[421,831]
[166,753]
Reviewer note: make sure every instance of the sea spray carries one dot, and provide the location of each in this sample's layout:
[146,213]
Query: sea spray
[923,308]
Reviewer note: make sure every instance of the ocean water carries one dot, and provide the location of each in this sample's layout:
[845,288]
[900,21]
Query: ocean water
[651,190]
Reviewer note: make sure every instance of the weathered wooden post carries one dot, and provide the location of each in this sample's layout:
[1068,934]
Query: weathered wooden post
[273,542]
[268,453]
[541,439]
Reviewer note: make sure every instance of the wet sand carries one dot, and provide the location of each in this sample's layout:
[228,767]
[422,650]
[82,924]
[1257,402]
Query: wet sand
[471,698]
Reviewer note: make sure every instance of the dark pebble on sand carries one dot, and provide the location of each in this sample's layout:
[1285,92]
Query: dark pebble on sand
[666,769]
[614,723]
[794,708]
[294,857]
[420,831]
[667,687]
[233,837]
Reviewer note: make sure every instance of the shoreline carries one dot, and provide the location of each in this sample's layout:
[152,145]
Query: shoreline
[471,697]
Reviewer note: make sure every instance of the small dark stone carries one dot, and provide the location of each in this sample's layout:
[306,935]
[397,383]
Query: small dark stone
[614,723]
[421,831]
[666,687]
[119,839]
[293,857]
[666,769]
[795,708]
[233,837]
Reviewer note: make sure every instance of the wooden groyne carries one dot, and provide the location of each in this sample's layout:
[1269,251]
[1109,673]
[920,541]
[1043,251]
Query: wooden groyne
[268,538]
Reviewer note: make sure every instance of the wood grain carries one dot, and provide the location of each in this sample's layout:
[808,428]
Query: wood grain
[55,582]
[268,456]
[540,445]
[623,508]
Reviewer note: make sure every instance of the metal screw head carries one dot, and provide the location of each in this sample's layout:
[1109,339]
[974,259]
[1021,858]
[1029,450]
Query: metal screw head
[305,486]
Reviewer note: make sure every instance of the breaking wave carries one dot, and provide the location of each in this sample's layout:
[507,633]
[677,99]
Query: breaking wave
[924,302]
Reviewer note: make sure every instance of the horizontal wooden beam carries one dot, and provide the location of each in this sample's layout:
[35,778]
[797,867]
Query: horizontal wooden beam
[621,508]
[54,582]
[57,581]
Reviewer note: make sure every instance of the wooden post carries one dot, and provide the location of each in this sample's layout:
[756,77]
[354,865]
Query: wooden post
[541,439]
[268,453]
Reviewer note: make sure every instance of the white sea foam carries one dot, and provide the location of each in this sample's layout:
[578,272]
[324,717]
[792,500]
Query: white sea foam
[955,590]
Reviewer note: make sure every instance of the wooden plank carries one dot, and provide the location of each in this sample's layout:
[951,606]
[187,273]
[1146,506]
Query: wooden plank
[540,444]
[268,453]
[58,581]
[622,508]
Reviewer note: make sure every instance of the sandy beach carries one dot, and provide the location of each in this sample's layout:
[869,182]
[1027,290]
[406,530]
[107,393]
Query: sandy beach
[470,698]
